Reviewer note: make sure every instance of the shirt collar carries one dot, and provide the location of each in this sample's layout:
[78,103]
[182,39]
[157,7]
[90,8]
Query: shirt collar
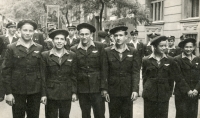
[82,47]
[115,48]
[7,35]
[173,47]
[192,57]
[53,52]
[154,56]
[133,42]
[21,42]
[74,37]
[149,44]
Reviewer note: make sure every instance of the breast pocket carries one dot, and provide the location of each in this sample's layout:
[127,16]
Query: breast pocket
[165,71]
[67,66]
[151,71]
[52,67]
[94,58]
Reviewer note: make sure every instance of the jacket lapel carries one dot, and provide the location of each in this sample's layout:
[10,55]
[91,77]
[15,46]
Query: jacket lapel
[116,55]
[82,51]
[163,62]
[21,48]
[124,55]
[64,58]
[6,40]
[154,62]
[54,58]
[14,39]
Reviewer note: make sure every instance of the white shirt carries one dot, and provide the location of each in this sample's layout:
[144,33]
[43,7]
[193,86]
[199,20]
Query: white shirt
[10,38]
[71,39]
[134,43]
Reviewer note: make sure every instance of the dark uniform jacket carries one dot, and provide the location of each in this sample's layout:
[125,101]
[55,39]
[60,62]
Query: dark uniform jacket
[89,63]
[190,72]
[75,41]
[22,69]
[6,42]
[60,76]
[122,74]
[174,51]
[158,80]
[140,49]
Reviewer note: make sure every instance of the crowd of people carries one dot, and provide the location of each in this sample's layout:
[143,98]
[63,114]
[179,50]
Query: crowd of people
[66,67]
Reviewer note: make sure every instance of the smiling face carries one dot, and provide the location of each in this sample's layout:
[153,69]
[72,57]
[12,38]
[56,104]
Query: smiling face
[27,31]
[59,41]
[120,37]
[188,48]
[85,36]
[161,47]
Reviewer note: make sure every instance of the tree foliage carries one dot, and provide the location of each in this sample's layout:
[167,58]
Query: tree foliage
[33,9]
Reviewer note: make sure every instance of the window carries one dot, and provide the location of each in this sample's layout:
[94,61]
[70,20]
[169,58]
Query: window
[191,8]
[157,10]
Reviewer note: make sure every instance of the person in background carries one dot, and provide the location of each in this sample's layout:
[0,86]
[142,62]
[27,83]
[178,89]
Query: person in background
[121,70]
[22,73]
[172,50]
[139,46]
[6,39]
[102,35]
[189,64]
[149,48]
[71,39]
[60,74]
[90,83]
[159,72]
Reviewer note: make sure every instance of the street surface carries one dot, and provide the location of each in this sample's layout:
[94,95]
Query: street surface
[6,111]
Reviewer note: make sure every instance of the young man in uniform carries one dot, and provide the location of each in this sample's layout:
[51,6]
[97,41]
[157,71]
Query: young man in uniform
[159,72]
[102,35]
[71,39]
[121,70]
[187,103]
[21,71]
[90,83]
[60,76]
[139,46]
[172,50]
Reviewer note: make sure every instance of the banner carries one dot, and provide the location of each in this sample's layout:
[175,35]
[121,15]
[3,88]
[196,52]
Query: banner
[52,16]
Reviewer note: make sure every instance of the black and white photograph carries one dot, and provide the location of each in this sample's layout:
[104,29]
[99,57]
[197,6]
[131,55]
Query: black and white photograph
[99,59]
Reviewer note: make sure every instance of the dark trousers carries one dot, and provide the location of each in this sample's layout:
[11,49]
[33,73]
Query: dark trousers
[120,107]
[26,103]
[153,109]
[55,108]
[94,100]
[186,107]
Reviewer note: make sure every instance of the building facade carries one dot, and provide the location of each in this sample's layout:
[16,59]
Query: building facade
[173,17]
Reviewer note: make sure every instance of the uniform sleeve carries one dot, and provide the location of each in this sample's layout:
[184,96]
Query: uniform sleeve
[104,70]
[144,76]
[197,87]
[7,66]
[44,73]
[135,72]
[177,76]
[74,74]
